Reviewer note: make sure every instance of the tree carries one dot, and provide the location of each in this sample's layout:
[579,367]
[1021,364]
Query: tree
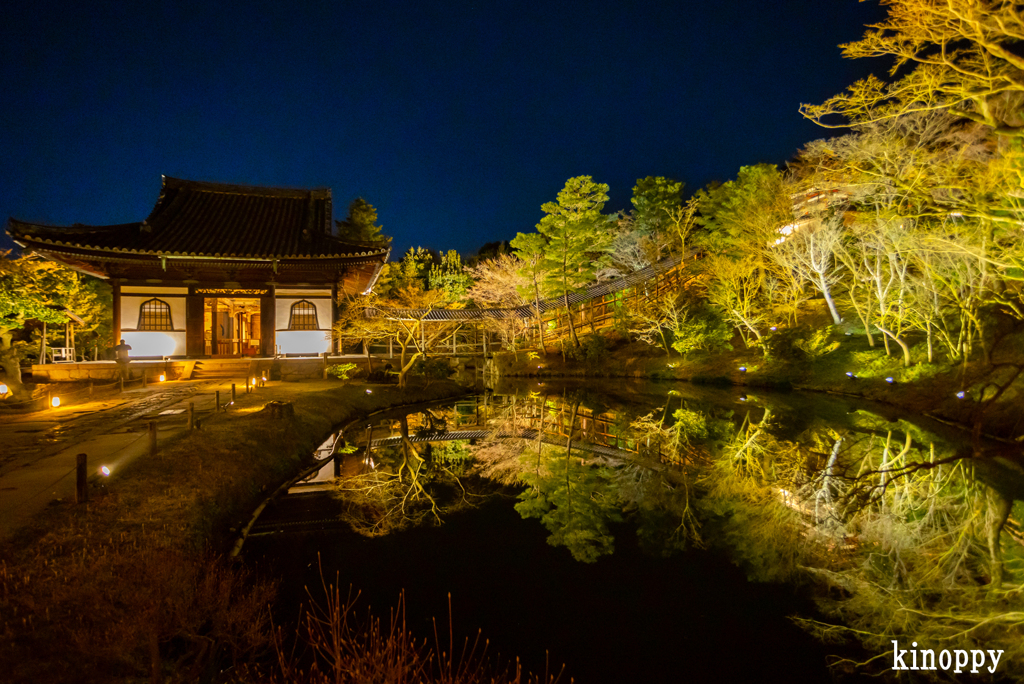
[960,56]
[645,234]
[499,282]
[23,297]
[361,223]
[809,253]
[397,312]
[577,239]
[449,277]
[530,249]
[743,216]
[737,290]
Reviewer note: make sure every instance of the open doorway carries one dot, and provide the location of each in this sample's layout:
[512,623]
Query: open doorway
[231,326]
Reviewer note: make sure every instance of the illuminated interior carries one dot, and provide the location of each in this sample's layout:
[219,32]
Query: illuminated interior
[238,326]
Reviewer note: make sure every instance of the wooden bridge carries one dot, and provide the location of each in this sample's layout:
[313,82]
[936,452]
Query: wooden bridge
[596,307]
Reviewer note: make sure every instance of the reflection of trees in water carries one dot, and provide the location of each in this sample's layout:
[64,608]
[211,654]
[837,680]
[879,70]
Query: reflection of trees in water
[892,524]
[900,536]
[409,485]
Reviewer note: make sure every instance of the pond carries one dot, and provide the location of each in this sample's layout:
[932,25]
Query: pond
[639,531]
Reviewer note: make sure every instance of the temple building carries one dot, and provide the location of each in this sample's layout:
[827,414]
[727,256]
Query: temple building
[219,270]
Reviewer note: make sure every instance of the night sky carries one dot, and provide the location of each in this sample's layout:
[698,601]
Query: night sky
[457,120]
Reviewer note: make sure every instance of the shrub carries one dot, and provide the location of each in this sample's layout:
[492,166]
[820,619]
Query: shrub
[703,331]
[816,344]
[341,370]
[433,369]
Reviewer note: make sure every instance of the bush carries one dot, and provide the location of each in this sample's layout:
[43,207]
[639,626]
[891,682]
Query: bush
[592,350]
[817,344]
[341,370]
[433,369]
[705,330]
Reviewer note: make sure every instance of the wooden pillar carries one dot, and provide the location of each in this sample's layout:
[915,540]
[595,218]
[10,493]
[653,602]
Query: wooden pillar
[115,287]
[334,317]
[268,323]
[195,342]
[214,328]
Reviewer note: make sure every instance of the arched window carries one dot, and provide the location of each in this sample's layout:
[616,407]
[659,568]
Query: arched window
[303,316]
[155,314]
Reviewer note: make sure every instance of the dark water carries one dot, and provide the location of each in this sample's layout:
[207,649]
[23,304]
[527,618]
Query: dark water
[631,616]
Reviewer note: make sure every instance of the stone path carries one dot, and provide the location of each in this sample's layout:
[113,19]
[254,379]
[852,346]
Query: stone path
[38,450]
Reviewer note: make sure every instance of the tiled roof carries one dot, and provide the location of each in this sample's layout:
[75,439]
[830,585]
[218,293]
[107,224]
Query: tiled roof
[193,218]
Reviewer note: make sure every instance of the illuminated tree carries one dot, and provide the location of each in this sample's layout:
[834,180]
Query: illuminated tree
[530,249]
[809,254]
[577,240]
[736,289]
[397,312]
[961,56]
[24,296]
[498,283]
[449,277]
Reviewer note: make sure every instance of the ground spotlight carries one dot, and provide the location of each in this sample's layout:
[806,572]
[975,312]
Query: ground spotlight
[891,381]
[743,369]
[961,394]
[106,471]
[55,402]
[162,377]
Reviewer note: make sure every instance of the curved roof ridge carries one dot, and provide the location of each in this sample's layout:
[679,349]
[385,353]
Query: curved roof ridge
[170,182]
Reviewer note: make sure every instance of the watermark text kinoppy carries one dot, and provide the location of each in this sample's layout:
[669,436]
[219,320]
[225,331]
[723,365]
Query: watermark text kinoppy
[943,660]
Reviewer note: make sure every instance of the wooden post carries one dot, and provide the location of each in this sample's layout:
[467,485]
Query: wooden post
[115,290]
[121,380]
[214,330]
[216,402]
[81,479]
[232,394]
[191,415]
[152,438]
[42,345]
[143,376]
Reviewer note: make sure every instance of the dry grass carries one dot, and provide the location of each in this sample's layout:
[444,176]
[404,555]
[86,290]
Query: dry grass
[132,584]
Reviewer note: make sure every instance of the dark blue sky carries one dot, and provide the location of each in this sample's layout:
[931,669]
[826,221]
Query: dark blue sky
[457,120]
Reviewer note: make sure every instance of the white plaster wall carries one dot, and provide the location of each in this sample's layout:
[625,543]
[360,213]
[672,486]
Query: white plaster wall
[154,343]
[130,310]
[284,311]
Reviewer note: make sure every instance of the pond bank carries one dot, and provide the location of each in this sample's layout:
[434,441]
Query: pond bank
[134,580]
[852,368]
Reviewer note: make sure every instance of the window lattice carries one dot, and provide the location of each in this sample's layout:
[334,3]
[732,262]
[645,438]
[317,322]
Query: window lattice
[303,316]
[155,314]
